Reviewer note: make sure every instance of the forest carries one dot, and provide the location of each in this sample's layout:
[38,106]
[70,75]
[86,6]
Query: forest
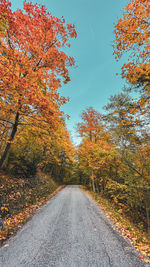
[36,152]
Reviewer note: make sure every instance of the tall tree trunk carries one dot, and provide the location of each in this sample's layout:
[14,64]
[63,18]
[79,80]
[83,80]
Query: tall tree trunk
[93,182]
[98,187]
[148,219]
[147,208]
[103,186]
[14,130]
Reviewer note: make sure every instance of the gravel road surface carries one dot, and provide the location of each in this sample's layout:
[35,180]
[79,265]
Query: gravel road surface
[69,231]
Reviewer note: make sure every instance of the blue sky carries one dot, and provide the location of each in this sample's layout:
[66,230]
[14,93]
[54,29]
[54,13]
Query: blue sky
[94,79]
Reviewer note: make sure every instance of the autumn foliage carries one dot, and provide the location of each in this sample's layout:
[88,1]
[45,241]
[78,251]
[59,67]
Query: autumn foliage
[32,68]
[113,158]
[91,125]
[116,160]
[132,36]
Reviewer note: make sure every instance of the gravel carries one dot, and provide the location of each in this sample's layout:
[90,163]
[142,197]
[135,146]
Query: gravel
[69,231]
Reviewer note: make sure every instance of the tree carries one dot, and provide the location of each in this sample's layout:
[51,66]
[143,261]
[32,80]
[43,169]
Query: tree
[96,150]
[119,120]
[32,68]
[90,128]
[132,140]
[59,152]
[36,152]
[91,125]
[132,36]
[98,159]
[117,161]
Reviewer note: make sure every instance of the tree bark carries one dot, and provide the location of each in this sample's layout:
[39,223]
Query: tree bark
[93,182]
[147,208]
[14,130]
[148,219]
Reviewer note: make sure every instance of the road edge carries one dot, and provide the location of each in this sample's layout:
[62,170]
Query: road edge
[25,216]
[116,227]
